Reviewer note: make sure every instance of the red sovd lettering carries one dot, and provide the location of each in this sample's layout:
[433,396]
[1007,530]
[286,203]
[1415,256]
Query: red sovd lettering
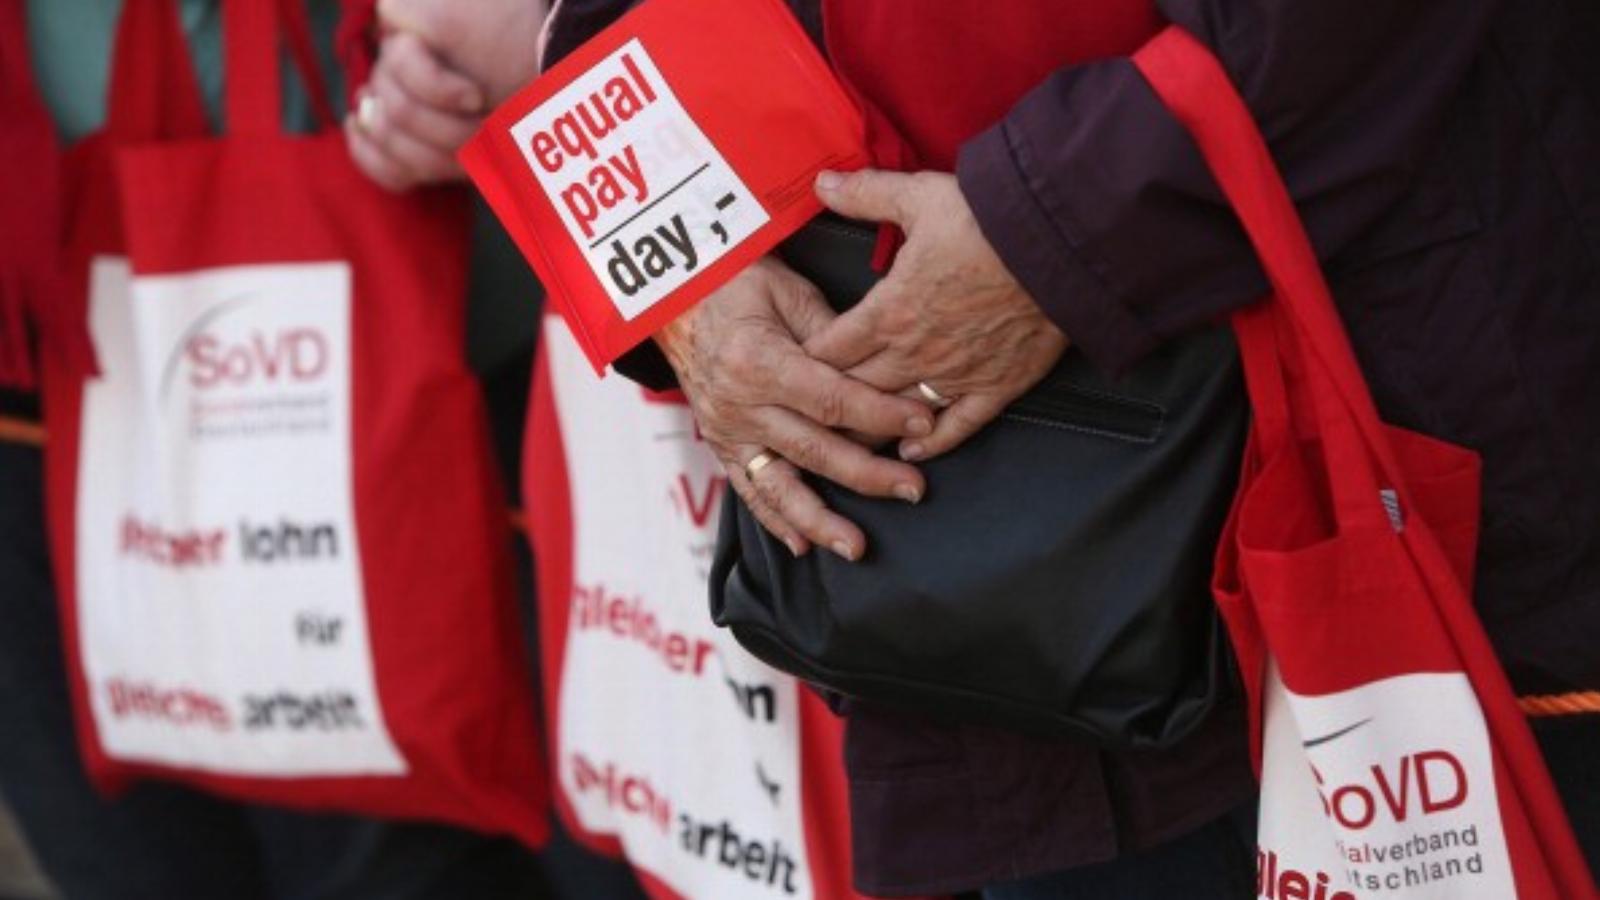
[1439,777]
[700,505]
[297,354]
[1277,882]
[178,706]
[629,620]
[632,794]
[149,542]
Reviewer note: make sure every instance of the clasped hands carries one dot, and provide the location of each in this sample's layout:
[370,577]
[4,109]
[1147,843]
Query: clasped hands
[772,374]
[779,383]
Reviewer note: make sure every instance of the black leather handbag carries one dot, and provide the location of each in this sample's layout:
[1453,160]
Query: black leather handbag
[1055,579]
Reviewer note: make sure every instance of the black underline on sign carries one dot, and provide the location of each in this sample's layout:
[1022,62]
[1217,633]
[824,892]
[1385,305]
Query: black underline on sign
[631,219]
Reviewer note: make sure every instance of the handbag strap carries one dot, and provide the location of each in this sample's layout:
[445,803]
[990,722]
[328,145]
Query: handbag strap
[356,46]
[153,93]
[252,85]
[1271,422]
[15,73]
[1196,89]
[28,181]
[304,50]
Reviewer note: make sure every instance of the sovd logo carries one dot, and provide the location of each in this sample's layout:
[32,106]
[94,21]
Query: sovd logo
[290,354]
[1429,782]
[212,357]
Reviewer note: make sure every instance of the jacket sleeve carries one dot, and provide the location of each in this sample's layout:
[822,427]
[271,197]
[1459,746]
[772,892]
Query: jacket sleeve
[1099,203]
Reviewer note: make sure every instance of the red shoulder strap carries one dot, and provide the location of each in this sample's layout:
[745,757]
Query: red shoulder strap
[153,93]
[1199,93]
[252,88]
[30,184]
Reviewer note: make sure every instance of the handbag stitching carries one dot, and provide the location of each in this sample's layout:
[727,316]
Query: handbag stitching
[1085,429]
[1018,412]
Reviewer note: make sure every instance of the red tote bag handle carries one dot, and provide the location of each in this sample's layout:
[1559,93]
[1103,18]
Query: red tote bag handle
[153,93]
[297,28]
[30,184]
[1197,90]
[252,87]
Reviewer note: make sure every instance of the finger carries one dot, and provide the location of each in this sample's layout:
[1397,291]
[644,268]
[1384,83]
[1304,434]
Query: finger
[421,73]
[833,456]
[766,515]
[439,127]
[831,400]
[870,194]
[423,162]
[849,339]
[879,441]
[372,160]
[781,489]
[888,371]
[960,421]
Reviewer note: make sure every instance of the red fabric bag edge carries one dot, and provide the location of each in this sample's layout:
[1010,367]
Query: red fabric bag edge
[142,95]
[1197,90]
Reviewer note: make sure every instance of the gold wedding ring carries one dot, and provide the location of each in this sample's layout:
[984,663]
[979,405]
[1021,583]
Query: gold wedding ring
[367,111]
[932,396]
[758,462]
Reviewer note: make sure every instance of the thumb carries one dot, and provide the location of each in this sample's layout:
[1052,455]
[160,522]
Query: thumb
[405,15]
[870,194]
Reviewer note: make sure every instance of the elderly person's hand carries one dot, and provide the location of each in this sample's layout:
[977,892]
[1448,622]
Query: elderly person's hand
[493,42]
[948,316]
[412,116]
[766,408]
[441,65]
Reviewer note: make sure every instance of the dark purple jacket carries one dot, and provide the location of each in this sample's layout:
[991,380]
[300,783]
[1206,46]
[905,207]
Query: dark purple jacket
[1446,159]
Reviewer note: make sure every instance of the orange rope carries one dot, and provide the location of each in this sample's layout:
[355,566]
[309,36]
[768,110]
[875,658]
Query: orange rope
[1575,704]
[21,431]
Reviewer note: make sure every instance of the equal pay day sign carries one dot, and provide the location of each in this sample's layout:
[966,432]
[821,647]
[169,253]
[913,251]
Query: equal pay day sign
[662,157]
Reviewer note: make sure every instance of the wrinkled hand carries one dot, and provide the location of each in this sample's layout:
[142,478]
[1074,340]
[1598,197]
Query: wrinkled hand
[948,313]
[413,116]
[739,360]
[493,42]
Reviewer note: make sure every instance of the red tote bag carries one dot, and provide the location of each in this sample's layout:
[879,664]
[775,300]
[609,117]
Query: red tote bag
[711,774]
[280,540]
[1394,760]
[29,163]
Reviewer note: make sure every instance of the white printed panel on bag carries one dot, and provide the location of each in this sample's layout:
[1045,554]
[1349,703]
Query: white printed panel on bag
[671,736]
[222,621]
[1386,790]
[648,199]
